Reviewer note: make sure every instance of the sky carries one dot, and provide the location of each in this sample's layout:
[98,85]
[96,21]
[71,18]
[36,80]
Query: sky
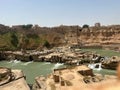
[59,12]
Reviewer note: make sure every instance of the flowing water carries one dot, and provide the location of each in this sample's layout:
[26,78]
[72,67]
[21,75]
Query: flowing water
[100,70]
[32,69]
[93,66]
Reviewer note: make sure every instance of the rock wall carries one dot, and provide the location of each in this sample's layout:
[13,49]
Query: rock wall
[107,36]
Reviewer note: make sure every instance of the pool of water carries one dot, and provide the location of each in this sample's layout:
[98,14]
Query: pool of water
[32,69]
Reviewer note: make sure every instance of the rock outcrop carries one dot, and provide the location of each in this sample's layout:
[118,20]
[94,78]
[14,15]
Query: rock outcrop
[111,63]
[35,37]
[12,80]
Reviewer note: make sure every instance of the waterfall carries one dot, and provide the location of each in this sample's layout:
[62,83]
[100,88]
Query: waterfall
[77,63]
[57,65]
[96,66]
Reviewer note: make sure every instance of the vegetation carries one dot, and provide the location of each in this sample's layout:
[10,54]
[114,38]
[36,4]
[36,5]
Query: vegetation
[46,44]
[28,26]
[14,40]
[85,26]
[35,37]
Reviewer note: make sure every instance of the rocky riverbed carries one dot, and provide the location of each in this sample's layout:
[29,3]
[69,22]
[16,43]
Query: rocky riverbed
[66,55]
[63,55]
[58,55]
[60,78]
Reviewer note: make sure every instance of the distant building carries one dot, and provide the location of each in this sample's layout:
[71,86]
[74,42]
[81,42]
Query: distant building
[97,25]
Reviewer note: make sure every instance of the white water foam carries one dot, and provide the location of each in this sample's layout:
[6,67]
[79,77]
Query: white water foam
[27,63]
[93,66]
[57,65]
[16,61]
[47,63]
[78,63]
[10,61]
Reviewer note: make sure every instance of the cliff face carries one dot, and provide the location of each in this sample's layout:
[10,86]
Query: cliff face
[32,37]
[106,36]
[102,36]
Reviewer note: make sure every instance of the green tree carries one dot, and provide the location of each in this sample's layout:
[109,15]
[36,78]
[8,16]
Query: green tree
[46,44]
[28,26]
[14,40]
[85,26]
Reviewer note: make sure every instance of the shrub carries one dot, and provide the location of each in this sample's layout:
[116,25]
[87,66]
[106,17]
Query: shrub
[46,44]
[14,40]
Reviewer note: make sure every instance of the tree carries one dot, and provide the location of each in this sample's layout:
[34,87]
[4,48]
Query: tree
[46,44]
[85,26]
[28,26]
[33,35]
[14,40]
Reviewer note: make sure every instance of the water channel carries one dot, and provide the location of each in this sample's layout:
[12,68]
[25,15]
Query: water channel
[33,69]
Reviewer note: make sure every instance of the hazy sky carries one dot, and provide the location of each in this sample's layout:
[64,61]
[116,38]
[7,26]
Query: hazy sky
[57,12]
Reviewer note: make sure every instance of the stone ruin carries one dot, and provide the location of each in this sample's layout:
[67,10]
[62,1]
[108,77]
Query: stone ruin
[86,72]
[12,79]
[5,75]
[111,63]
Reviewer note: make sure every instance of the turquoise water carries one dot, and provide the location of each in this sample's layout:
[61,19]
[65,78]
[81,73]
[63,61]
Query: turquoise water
[34,69]
[105,72]
[99,70]
[31,69]
[103,52]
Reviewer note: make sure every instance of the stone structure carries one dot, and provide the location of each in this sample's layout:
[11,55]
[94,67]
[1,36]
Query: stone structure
[111,63]
[66,78]
[5,75]
[86,72]
[97,25]
[12,80]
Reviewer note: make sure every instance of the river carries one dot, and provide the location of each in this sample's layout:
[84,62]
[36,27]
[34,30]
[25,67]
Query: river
[99,70]
[31,69]
[34,69]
